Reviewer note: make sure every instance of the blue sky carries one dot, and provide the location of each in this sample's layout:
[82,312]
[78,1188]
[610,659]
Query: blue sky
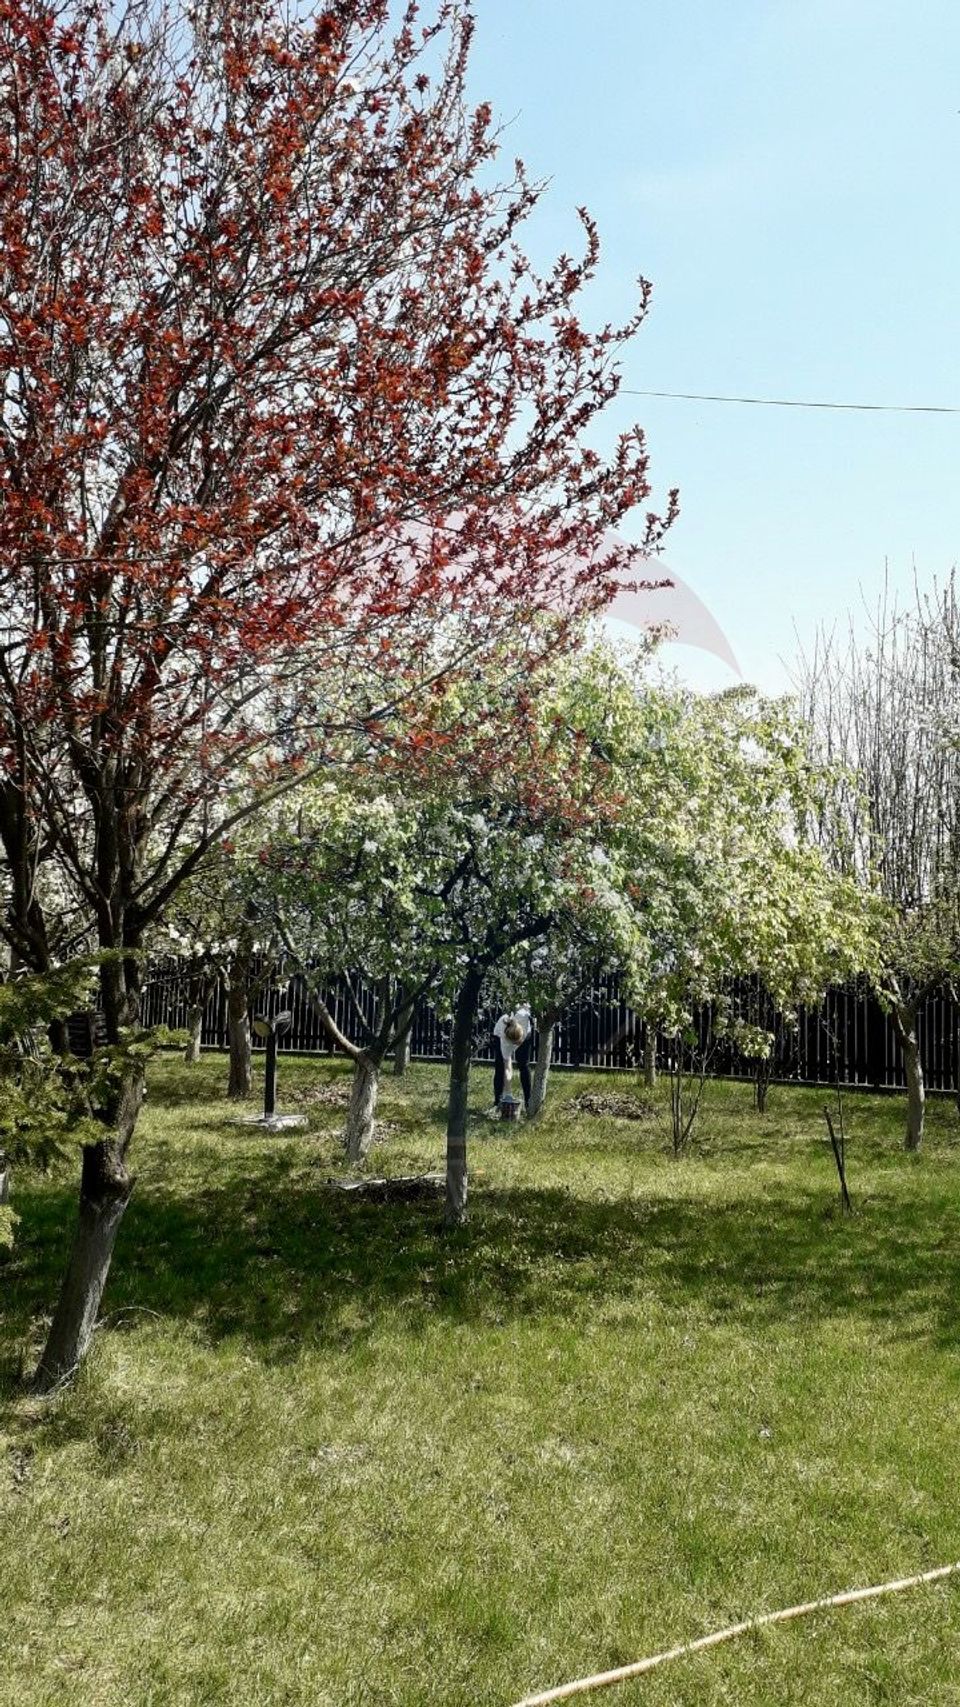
[786,173]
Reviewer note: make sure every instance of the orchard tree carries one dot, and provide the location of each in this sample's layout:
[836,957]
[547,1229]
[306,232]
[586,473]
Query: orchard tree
[280,394]
[213,928]
[192,940]
[341,884]
[663,832]
[478,838]
[535,805]
[530,872]
[424,872]
[704,868]
[741,890]
[886,714]
[658,833]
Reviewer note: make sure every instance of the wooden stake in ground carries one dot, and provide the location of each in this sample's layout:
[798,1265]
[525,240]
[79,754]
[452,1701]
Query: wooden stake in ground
[839,1158]
[601,1678]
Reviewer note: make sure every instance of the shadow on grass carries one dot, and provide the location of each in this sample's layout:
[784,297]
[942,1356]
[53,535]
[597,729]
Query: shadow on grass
[278,1258]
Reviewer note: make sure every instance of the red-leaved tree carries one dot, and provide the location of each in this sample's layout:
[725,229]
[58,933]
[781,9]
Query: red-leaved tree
[264,330]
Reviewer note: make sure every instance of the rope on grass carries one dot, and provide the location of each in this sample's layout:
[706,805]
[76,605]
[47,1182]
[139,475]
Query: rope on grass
[601,1678]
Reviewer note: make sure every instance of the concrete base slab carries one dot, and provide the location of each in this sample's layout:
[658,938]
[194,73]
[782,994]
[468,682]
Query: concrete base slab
[271,1122]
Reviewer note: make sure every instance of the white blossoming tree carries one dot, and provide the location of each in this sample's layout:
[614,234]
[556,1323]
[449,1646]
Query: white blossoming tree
[603,820]
[705,870]
[426,870]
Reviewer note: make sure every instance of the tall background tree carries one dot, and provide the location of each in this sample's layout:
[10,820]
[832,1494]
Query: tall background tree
[280,394]
[884,712]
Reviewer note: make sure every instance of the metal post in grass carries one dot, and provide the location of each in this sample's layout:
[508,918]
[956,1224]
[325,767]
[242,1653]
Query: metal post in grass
[270,1031]
[839,1157]
[839,1145]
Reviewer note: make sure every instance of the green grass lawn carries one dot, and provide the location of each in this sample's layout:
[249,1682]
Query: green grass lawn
[322,1454]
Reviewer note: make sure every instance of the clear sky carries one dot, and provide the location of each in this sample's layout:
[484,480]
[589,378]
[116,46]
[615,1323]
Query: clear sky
[786,173]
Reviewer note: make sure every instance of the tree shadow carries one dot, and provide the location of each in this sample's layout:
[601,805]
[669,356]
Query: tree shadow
[281,1259]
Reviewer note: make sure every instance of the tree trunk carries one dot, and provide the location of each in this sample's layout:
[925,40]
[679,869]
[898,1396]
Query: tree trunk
[916,1094]
[955,993]
[105,1187]
[4,1180]
[761,1084]
[455,1207]
[650,1056]
[546,1036]
[401,1054]
[240,1083]
[105,1184]
[905,1025]
[195,1030]
[358,1132]
[241,1050]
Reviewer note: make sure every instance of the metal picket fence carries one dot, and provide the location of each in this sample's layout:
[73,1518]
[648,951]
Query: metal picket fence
[847,1036]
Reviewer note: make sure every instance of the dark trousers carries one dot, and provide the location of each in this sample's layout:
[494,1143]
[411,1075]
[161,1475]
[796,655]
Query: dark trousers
[521,1058]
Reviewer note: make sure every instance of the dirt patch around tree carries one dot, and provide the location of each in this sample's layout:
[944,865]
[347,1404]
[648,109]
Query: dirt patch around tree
[320,1096]
[404,1187]
[336,1098]
[615,1105]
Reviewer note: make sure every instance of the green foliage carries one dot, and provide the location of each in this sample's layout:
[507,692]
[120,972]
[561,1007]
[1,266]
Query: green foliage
[29,1001]
[752,895]
[703,868]
[42,1107]
[595,819]
[471,835]
[99,1076]
[51,1103]
[8,1225]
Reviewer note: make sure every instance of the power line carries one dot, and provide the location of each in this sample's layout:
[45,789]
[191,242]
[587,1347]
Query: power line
[799,403]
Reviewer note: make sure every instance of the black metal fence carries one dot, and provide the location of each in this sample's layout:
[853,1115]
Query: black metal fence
[848,1035]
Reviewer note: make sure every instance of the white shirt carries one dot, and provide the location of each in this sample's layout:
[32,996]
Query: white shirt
[523,1019]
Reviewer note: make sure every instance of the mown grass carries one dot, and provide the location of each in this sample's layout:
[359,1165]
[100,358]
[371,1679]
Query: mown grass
[322,1453]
